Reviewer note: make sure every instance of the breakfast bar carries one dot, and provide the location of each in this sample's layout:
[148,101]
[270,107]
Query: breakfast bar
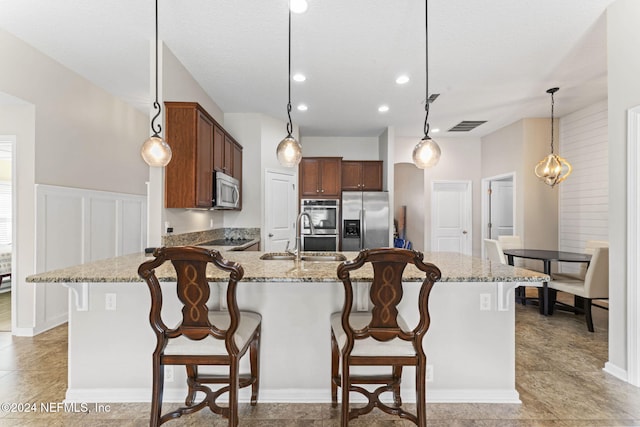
[470,345]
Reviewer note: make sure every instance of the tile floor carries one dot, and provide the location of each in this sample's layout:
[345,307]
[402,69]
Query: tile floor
[5,311]
[559,377]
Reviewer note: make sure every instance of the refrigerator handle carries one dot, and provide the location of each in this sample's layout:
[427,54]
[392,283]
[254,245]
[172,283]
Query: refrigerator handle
[363,233]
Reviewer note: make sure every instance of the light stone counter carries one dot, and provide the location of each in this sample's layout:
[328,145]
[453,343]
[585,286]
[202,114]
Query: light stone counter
[470,344]
[454,267]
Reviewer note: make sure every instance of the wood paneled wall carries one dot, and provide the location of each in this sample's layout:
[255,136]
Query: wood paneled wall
[584,200]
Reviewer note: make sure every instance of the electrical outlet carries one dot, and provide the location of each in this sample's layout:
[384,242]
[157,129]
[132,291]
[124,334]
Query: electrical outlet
[110,302]
[485,302]
[429,373]
[168,373]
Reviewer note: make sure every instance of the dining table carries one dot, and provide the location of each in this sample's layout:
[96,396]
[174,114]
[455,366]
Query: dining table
[547,257]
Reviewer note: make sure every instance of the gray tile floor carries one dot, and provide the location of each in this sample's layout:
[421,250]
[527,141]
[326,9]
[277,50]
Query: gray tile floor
[5,311]
[558,374]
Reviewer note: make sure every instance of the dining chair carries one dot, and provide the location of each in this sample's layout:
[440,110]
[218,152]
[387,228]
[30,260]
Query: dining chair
[510,242]
[589,248]
[493,251]
[594,286]
[201,337]
[380,337]
[515,242]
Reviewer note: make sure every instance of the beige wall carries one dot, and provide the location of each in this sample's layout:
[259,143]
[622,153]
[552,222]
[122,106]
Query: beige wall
[69,133]
[84,136]
[459,161]
[349,148]
[518,148]
[409,192]
[623,64]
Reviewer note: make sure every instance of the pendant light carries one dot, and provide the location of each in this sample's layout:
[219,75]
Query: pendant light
[155,151]
[427,152]
[553,169]
[289,151]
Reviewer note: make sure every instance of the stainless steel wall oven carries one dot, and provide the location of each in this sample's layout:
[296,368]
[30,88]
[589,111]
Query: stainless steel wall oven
[325,215]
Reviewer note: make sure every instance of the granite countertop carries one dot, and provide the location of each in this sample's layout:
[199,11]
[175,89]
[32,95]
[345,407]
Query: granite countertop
[455,267]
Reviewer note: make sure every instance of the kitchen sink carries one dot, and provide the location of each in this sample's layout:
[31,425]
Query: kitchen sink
[309,256]
[323,257]
[277,256]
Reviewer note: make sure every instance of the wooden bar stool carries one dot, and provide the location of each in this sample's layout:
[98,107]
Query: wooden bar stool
[380,337]
[202,337]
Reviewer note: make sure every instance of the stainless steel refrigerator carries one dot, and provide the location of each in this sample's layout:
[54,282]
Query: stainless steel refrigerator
[365,220]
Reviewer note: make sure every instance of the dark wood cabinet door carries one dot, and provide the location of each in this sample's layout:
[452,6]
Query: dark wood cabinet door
[371,176]
[180,173]
[227,166]
[309,177]
[330,178]
[351,175]
[218,149]
[204,162]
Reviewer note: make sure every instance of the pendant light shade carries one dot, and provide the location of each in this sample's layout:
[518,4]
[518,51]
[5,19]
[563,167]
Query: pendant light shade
[553,169]
[289,151]
[155,151]
[426,153]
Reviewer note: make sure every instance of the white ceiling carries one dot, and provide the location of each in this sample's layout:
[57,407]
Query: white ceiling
[489,59]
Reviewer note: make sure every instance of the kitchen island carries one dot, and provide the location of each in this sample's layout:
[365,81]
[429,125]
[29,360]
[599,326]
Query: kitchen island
[470,346]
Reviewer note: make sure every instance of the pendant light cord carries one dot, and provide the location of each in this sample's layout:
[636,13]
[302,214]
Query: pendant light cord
[156,128]
[552,103]
[426,98]
[290,124]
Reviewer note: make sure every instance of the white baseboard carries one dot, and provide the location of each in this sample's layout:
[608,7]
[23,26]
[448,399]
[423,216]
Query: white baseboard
[287,396]
[616,371]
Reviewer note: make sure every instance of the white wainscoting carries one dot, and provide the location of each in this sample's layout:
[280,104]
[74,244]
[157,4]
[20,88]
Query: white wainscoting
[74,226]
[584,200]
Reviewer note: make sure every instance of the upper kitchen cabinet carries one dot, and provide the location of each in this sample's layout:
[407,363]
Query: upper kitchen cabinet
[193,136]
[227,154]
[320,177]
[361,175]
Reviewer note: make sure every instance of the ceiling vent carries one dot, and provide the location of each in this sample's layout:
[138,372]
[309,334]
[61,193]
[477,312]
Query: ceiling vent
[467,125]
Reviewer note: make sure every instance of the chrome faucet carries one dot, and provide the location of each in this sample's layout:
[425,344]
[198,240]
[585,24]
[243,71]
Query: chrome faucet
[297,250]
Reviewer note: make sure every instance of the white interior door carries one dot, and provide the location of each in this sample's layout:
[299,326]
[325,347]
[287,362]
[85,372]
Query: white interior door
[501,213]
[451,217]
[280,210]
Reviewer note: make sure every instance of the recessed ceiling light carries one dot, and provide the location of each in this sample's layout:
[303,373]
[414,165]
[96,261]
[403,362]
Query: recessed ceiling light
[298,6]
[383,108]
[299,77]
[435,130]
[402,79]
[302,107]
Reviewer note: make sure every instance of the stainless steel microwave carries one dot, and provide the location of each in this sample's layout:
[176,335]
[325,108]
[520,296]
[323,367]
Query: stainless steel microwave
[226,191]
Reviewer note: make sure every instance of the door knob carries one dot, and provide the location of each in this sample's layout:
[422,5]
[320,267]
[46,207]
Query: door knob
[270,234]
[464,231]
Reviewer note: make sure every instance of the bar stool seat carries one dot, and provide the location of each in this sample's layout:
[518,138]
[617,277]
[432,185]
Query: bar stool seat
[370,346]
